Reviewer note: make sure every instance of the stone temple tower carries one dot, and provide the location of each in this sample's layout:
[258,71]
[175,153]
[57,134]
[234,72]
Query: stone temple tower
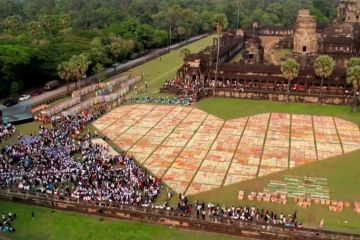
[305,39]
[349,11]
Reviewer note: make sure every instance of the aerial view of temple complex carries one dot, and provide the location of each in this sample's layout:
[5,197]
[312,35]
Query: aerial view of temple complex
[248,65]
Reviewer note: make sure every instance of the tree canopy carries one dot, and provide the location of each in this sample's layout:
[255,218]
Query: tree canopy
[45,33]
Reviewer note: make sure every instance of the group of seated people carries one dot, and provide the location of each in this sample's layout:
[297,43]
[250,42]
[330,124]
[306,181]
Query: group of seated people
[160,100]
[6,131]
[189,90]
[45,162]
[6,223]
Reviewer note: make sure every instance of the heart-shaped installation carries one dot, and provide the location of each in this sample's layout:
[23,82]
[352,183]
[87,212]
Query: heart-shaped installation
[193,151]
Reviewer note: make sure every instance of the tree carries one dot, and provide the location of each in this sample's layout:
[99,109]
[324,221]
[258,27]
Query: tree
[324,67]
[35,28]
[184,52]
[355,61]
[14,89]
[118,51]
[15,61]
[47,22]
[353,77]
[205,27]
[290,70]
[65,21]
[99,71]
[98,55]
[181,31]
[13,24]
[239,4]
[220,24]
[65,73]
[79,65]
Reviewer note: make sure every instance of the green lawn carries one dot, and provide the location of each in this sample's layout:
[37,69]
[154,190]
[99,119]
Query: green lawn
[237,57]
[281,53]
[342,172]
[228,108]
[65,225]
[158,71]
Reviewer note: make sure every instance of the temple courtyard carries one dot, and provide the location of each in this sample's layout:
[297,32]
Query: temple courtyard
[193,151]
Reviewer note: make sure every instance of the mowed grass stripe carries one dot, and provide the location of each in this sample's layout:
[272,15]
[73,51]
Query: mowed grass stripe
[313,127]
[289,152]
[337,133]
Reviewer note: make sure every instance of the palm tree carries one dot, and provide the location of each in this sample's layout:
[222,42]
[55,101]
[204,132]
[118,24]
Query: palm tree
[99,71]
[35,28]
[65,73]
[47,22]
[239,3]
[355,61]
[65,21]
[14,23]
[184,52]
[290,70]
[205,27]
[220,24]
[181,31]
[116,50]
[79,65]
[353,77]
[324,67]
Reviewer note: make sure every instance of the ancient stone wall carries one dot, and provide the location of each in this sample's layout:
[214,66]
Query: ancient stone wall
[305,39]
[176,219]
[349,11]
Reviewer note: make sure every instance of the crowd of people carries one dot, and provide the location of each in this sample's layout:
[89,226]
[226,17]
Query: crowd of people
[6,223]
[45,162]
[197,89]
[6,131]
[190,90]
[161,100]
[244,213]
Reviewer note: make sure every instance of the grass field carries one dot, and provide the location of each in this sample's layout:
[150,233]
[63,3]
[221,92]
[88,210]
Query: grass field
[238,57]
[229,108]
[342,172]
[65,225]
[161,69]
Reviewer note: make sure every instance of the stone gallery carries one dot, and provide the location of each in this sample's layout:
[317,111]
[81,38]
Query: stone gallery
[255,77]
